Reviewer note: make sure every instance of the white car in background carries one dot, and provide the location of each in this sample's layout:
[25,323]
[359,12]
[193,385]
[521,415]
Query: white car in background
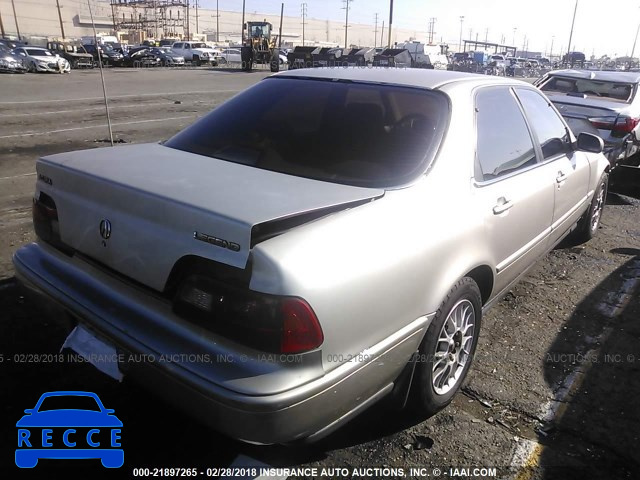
[230,55]
[38,59]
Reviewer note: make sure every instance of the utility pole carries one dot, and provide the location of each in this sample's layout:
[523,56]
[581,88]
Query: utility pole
[382,34]
[243,1]
[217,21]
[513,42]
[432,30]
[197,26]
[375,33]
[303,8]
[572,24]
[551,49]
[486,35]
[390,22]
[15,17]
[460,44]
[60,18]
[280,31]
[346,22]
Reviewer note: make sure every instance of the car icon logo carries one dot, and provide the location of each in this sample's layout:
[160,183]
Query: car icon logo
[69,425]
[105,229]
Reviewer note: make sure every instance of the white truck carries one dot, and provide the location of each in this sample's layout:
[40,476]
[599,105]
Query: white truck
[196,52]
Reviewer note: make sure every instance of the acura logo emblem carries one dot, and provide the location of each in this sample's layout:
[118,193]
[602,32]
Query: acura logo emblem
[105,229]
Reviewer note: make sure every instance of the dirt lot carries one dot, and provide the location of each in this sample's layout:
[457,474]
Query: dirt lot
[552,393]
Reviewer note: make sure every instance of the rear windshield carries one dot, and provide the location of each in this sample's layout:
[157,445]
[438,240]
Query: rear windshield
[616,91]
[337,131]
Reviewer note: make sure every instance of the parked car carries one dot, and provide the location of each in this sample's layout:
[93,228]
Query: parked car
[118,47]
[140,57]
[602,103]
[11,44]
[168,57]
[76,56]
[108,55]
[10,62]
[299,267]
[230,55]
[196,52]
[38,59]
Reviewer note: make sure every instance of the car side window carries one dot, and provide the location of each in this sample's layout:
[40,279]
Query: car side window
[552,134]
[177,45]
[504,142]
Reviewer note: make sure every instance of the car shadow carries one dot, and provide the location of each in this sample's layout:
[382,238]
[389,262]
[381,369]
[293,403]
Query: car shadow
[625,181]
[593,368]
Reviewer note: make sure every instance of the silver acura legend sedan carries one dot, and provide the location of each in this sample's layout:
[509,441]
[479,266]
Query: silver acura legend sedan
[323,239]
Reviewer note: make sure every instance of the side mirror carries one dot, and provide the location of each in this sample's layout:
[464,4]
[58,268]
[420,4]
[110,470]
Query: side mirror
[590,143]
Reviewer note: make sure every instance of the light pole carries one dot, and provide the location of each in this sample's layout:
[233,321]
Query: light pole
[551,50]
[460,44]
[575,10]
[633,50]
[513,42]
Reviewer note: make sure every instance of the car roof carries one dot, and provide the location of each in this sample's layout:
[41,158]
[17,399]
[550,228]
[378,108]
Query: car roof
[605,76]
[411,77]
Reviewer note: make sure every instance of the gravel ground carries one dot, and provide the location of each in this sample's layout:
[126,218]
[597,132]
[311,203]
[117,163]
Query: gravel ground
[550,395]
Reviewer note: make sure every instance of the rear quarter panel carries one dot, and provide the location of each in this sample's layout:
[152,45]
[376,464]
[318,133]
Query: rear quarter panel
[371,270]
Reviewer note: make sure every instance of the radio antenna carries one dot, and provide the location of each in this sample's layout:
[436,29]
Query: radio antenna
[104,87]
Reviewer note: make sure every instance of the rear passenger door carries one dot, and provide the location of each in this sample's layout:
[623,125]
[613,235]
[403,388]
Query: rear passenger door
[571,167]
[514,191]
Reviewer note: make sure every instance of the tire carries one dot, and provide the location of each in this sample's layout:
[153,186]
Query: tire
[196,61]
[222,61]
[32,68]
[589,223]
[439,360]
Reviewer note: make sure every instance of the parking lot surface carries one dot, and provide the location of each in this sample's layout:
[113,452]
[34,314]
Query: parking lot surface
[552,392]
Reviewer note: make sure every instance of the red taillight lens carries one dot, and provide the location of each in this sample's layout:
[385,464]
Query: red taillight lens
[45,217]
[625,124]
[270,323]
[619,126]
[301,330]
[603,123]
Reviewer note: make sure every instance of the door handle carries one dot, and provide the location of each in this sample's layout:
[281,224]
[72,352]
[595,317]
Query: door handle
[502,206]
[561,177]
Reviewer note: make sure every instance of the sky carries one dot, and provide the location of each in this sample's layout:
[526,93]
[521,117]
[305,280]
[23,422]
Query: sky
[600,27]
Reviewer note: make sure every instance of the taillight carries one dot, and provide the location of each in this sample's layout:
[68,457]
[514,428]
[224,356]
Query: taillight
[625,124]
[619,126]
[45,222]
[45,217]
[270,323]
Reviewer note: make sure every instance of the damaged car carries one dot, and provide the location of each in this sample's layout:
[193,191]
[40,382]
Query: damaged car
[603,103]
[289,273]
[10,62]
[38,59]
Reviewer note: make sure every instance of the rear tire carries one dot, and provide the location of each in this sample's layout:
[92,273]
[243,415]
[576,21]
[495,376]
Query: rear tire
[590,221]
[447,349]
[196,61]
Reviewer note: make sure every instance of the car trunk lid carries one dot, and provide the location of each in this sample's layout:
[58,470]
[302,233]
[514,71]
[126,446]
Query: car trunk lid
[162,204]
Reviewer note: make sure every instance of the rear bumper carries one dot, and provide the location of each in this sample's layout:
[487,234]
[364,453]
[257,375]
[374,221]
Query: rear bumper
[259,400]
